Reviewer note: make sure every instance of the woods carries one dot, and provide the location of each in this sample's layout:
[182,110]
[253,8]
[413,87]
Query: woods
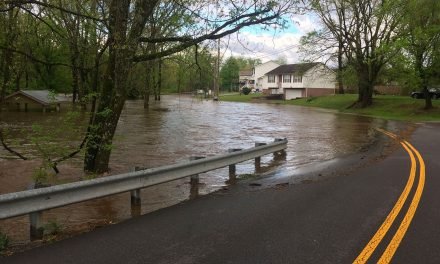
[106,51]
[92,48]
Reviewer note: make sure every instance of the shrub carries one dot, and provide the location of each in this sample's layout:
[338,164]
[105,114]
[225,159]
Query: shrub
[246,90]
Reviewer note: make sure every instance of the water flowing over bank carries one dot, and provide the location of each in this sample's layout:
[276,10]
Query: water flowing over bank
[173,130]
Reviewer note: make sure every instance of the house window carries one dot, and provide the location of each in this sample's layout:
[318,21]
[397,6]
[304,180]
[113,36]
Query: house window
[297,78]
[251,81]
[287,78]
[271,78]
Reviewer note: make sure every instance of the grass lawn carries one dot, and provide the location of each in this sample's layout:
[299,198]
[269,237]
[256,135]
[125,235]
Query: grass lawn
[236,97]
[400,108]
[384,106]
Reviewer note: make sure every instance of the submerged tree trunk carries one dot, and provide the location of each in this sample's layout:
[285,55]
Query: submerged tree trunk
[75,78]
[147,89]
[159,80]
[113,92]
[122,48]
[153,79]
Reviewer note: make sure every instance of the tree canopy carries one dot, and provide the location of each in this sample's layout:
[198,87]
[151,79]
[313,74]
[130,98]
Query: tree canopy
[94,48]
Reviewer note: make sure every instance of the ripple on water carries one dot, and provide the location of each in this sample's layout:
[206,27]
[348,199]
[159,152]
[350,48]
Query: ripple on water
[177,128]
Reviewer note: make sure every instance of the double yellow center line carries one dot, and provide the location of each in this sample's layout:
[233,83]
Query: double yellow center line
[371,246]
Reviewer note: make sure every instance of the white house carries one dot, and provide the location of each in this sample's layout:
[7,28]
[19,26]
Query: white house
[254,78]
[300,80]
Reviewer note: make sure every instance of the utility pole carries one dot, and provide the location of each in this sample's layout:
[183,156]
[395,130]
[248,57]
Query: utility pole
[217,73]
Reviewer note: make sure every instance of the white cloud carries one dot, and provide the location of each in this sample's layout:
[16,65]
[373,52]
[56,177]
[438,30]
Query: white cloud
[270,45]
[305,23]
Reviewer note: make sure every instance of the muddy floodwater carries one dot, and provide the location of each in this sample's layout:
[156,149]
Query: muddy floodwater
[171,131]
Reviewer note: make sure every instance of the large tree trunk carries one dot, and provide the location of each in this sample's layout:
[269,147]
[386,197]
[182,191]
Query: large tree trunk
[428,100]
[147,89]
[159,80]
[423,78]
[340,79]
[122,48]
[75,77]
[113,92]
[6,73]
[7,54]
[366,87]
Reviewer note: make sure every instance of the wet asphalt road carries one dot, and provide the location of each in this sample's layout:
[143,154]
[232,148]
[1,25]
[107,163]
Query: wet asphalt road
[327,220]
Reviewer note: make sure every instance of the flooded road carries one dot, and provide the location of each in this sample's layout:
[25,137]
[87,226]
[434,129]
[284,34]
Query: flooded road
[173,130]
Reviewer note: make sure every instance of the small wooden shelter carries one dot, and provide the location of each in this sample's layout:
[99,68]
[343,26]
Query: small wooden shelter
[26,100]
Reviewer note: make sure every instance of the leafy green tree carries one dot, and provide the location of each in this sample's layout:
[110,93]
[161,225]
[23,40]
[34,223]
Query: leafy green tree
[124,43]
[422,42]
[66,49]
[229,74]
[368,32]
[247,63]
[321,45]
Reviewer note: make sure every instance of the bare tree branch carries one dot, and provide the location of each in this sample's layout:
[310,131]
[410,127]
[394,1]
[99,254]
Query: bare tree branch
[187,42]
[10,150]
[20,3]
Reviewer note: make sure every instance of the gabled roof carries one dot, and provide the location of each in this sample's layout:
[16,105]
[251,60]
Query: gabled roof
[41,96]
[293,68]
[246,73]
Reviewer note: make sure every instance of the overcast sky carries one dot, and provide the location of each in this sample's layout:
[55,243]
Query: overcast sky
[267,45]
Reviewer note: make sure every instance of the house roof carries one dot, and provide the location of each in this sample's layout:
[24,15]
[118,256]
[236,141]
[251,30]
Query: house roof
[41,96]
[293,68]
[246,73]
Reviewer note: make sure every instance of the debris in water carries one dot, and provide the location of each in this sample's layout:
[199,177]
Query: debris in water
[281,185]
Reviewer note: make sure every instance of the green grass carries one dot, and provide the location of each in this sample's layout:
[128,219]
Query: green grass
[236,97]
[400,108]
[336,102]
[384,106]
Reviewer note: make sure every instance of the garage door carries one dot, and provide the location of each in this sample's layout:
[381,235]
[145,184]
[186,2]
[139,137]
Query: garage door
[293,93]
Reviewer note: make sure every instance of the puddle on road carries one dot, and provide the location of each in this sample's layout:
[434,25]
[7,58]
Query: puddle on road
[173,130]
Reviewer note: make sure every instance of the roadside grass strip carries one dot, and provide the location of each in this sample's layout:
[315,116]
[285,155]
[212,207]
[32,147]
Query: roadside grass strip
[404,225]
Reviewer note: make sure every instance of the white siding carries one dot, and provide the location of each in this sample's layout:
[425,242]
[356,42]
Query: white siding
[260,71]
[319,77]
[292,85]
[265,84]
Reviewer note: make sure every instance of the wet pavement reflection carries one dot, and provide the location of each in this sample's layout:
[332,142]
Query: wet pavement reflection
[174,130]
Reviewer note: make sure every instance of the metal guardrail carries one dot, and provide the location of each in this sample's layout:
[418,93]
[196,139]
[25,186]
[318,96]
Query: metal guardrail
[33,202]
[38,200]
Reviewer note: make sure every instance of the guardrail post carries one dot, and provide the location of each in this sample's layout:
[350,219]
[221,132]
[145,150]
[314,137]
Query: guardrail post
[135,198]
[232,168]
[36,223]
[279,154]
[36,218]
[194,181]
[258,159]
